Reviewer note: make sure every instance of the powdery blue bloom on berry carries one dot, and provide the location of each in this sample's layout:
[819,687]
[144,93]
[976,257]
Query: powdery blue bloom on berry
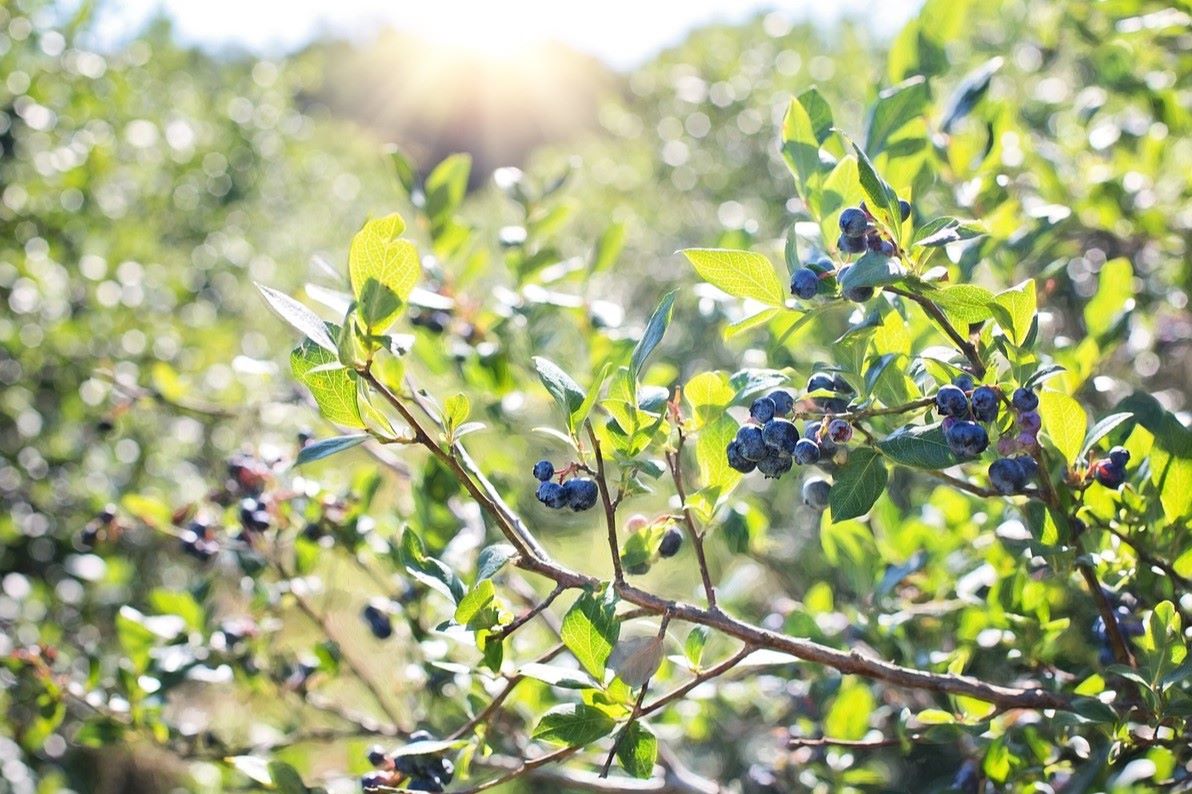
[853,222]
[984,402]
[816,491]
[780,434]
[1007,475]
[552,495]
[966,439]
[581,493]
[544,470]
[806,452]
[804,283]
[762,410]
[775,465]
[784,403]
[751,442]
[963,382]
[951,401]
[850,245]
[737,459]
[1024,400]
[820,381]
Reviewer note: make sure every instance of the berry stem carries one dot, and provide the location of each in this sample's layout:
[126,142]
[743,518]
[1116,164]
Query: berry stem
[610,510]
[935,313]
[675,464]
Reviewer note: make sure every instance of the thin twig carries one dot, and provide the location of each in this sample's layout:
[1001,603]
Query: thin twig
[529,615]
[675,464]
[610,512]
[964,345]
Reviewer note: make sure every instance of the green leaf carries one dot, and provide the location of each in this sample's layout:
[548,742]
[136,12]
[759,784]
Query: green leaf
[848,716]
[714,471]
[379,254]
[858,484]
[286,779]
[939,232]
[818,112]
[608,248]
[573,725]
[637,750]
[590,630]
[881,196]
[585,408]
[800,147]
[456,409]
[327,447]
[693,648]
[636,659]
[1102,429]
[403,169]
[474,604]
[1019,304]
[1064,421]
[918,446]
[742,274]
[968,93]
[446,186]
[180,603]
[298,316]
[896,107]
[561,386]
[872,270]
[492,559]
[332,385]
[965,303]
[427,569]
[1115,292]
[655,328]
[555,675]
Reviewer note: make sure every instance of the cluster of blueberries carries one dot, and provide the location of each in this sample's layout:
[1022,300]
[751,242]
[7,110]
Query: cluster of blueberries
[198,540]
[967,408]
[770,442]
[578,493]
[378,621]
[1125,607]
[429,772]
[857,235]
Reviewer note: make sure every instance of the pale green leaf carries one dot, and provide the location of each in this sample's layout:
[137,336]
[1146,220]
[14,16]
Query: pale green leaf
[742,274]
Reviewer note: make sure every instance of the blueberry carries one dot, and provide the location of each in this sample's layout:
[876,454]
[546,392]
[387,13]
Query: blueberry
[552,495]
[378,622]
[544,470]
[775,465]
[762,410]
[806,451]
[752,442]
[1024,400]
[1007,476]
[880,245]
[1030,422]
[853,222]
[984,403]
[840,431]
[816,431]
[1027,440]
[832,405]
[1029,467]
[784,403]
[581,493]
[966,439]
[904,209]
[1109,475]
[963,382]
[815,493]
[737,459]
[671,542]
[820,381]
[804,283]
[781,435]
[1119,456]
[858,294]
[842,386]
[377,756]
[951,401]
[850,245]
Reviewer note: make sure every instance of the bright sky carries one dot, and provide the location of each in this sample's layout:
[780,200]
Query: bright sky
[623,33]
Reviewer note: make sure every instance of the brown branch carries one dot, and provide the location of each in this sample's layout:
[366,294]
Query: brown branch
[500,698]
[675,464]
[610,512]
[1146,556]
[706,675]
[859,744]
[530,614]
[935,313]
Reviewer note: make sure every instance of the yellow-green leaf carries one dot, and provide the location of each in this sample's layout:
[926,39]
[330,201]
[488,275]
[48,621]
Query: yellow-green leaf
[742,274]
[1064,421]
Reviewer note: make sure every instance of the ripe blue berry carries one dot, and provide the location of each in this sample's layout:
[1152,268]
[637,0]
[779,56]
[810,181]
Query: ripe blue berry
[984,401]
[781,435]
[378,622]
[581,493]
[552,495]
[737,459]
[544,470]
[774,465]
[815,493]
[804,283]
[377,756]
[806,452]
[858,294]
[840,431]
[671,541]
[966,439]
[951,401]
[850,245]
[816,431]
[784,403]
[1029,467]
[853,222]
[880,245]
[1007,476]
[820,381]
[1107,474]
[751,442]
[842,386]
[963,382]
[1030,422]
[904,208]
[762,410]
[1024,400]
[1119,456]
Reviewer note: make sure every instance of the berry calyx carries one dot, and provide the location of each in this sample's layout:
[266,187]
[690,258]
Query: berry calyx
[840,431]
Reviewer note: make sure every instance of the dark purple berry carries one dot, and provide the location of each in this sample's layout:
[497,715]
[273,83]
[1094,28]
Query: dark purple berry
[1107,474]
[966,439]
[552,495]
[1119,456]
[820,381]
[784,403]
[1030,422]
[378,622]
[581,493]
[850,245]
[806,452]
[737,459]
[752,442]
[377,756]
[1029,467]
[781,435]
[1006,475]
[1024,400]
[544,470]
[815,493]
[904,209]
[984,402]
[762,410]
[774,465]
[951,401]
[857,294]
[671,542]
[963,382]
[840,431]
[853,222]
[804,283]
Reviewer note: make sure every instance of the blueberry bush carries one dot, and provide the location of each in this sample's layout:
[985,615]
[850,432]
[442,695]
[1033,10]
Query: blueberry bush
[869,497]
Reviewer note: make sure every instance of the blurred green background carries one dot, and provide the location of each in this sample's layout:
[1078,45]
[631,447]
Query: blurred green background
[145,182]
